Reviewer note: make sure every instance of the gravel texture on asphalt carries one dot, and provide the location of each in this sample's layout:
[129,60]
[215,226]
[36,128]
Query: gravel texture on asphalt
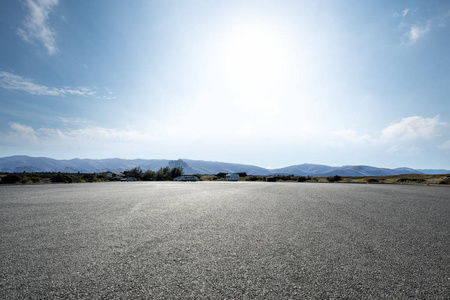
[224,240]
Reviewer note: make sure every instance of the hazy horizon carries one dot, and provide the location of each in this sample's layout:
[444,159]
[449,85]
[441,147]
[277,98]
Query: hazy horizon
[270,84]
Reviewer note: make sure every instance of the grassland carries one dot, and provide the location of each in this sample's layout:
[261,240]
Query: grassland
[417,179]
[422,179]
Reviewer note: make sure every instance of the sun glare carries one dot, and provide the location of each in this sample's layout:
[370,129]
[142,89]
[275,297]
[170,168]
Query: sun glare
[254,63]
[253,58]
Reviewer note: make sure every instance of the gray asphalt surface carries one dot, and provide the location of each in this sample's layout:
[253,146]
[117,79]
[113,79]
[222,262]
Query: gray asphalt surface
[224,240]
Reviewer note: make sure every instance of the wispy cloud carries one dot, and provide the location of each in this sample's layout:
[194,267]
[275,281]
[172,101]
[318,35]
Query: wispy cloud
[36,27]
[14,82]
[75,121]
[89,134]
[415,32]
[413,128]
[24,132]
[405,12]
[414,28]
[400,136]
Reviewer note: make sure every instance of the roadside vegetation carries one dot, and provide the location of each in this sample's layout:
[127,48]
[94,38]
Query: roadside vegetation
[424,179]
[136,174]
[168,174]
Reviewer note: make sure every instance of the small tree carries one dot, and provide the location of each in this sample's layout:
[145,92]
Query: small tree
[163,174]
[149,175]
[175,172]
[136,173]
[166,173]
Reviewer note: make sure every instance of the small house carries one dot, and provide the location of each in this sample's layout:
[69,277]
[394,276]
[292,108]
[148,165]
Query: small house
[110,174]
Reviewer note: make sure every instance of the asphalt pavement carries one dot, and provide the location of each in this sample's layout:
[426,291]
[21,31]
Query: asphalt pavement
[224,240]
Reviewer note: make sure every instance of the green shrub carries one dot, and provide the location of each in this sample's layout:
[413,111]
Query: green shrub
[446,180]
[302,179]
[11,178]
[35,178]
[334,178]
[88,177]
[60,178]
[411,180]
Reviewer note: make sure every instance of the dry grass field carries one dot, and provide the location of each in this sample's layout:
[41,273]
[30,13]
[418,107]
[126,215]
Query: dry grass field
[422,179]
[440,179]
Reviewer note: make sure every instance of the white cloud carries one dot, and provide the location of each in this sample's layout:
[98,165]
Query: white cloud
[98,134]
[36,27]
[91,134]
[20,133]
[405,12]
[415,32]
[14,82]
[412,128]
[48,132]
[75,121]
[22,130]
[416,29]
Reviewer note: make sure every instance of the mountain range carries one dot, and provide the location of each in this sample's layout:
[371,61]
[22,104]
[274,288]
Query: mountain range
[22,163]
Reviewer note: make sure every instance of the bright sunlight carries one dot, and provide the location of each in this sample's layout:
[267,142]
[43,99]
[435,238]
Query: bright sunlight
[254,66]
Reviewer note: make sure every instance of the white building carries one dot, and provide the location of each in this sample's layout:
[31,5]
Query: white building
[186,178]
[232,177]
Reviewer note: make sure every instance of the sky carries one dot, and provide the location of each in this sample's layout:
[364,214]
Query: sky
[267,83]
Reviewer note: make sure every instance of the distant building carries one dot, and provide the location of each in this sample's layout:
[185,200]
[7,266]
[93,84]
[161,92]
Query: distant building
[110,174]
[232,177]
[129,179]
[186,178]
[222,175]
[271,179]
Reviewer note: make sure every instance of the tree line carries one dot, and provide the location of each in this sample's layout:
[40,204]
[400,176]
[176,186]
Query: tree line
[163,174]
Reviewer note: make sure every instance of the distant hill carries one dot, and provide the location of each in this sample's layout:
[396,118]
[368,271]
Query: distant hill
[44,164]
[434,171]
[323,171]
[303,170]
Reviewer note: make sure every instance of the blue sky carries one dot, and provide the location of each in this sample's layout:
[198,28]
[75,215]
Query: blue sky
[269,83]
